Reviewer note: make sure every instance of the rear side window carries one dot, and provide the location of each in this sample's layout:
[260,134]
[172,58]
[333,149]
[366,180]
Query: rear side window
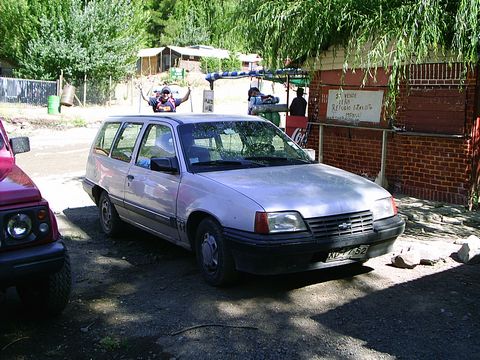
[123,148]
[105,138]
[157,142]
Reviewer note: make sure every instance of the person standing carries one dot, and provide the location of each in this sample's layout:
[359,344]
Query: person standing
[298,107]
[255,97]
[167,103]
[151,100]
[252,93]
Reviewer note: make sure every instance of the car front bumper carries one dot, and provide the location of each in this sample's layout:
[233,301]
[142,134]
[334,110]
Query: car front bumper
[294,252]
[28,263]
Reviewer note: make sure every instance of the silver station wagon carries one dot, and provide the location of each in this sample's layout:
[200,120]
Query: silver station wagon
[238,192]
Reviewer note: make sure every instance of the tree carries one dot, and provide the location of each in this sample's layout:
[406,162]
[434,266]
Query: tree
[159,12]
[20,22]
[374,32]
[202,22]
[99,38]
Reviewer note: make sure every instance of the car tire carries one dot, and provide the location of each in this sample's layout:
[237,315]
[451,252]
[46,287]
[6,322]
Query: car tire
[213,255]
[49,294]
[110,222]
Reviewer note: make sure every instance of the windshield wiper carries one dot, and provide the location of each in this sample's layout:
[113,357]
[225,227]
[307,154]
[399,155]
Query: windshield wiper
[277,159]
[227,163]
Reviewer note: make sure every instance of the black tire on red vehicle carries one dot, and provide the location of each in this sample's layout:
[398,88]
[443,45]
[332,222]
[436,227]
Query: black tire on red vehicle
[49,294]
[213,255]
[110,222]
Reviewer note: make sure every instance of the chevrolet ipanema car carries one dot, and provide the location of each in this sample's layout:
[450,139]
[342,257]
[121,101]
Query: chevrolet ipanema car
[238,192]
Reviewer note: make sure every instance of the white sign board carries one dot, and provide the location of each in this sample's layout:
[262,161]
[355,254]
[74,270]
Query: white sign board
[354,105]
[207,101]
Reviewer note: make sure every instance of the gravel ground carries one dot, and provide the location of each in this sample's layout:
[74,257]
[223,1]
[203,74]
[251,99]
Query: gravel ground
[139,297]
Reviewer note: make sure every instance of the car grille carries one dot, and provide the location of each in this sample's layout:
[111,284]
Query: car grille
[341,225]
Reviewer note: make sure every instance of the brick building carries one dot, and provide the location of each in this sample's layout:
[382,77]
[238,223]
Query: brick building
[428,149]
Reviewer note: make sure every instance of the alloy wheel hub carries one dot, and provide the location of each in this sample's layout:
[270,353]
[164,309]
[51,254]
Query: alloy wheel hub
[210,252]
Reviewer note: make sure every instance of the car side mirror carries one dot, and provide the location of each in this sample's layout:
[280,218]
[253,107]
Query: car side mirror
[20,144]
[169,164]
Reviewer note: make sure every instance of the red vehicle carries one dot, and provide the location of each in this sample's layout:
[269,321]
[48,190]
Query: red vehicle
[33,257]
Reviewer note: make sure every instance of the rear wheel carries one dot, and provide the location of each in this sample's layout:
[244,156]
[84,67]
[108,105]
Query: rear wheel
[48,294]
[109,220]
[213,256]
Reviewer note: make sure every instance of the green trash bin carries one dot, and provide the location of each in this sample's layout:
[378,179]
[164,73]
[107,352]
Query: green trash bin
[53,104]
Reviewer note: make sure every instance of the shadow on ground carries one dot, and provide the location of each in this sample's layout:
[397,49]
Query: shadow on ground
[141,297]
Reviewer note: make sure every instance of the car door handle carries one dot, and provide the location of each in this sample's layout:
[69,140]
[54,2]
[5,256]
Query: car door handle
[130,177]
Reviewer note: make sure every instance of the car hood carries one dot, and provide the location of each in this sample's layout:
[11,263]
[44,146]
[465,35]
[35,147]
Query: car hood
[313,190]
[15,186]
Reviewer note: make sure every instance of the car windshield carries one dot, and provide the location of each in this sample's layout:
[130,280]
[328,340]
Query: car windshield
[223,145]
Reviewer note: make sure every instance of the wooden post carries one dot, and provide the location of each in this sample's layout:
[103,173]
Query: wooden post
[383,164]
[110,91]
[60,84]
[320,144]
[288,94]
[131,90]
[85,90]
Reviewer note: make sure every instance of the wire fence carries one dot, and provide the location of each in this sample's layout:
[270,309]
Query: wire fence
[36,92]
[22,91]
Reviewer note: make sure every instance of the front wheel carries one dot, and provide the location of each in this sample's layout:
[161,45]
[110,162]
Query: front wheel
[213,256]
[109,219]
[48,294]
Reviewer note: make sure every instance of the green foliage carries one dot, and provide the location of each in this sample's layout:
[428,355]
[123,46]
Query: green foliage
[159,12]
[97,38]
[196,22]
[211,64]
[282,30]
[374,32]
[231,64]
[109,343]
[186,32]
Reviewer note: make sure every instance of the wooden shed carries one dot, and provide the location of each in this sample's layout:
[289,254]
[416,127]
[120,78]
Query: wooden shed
[189,57]
[149,61]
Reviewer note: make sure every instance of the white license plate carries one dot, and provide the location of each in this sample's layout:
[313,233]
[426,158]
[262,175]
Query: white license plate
[357,252]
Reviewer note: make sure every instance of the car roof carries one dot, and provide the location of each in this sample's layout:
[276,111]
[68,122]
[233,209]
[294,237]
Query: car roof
[185,118]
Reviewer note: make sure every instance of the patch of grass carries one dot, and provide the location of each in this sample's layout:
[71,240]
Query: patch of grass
[79,122]
[109,343]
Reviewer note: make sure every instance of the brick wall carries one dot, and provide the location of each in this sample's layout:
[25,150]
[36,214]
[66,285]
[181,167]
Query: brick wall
[438,166]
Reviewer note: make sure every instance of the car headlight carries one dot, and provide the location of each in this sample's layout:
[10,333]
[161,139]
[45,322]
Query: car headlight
[276,222]
[19,226]
[384,208]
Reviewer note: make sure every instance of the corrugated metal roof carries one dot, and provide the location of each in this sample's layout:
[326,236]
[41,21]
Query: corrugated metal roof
[251,58]
[201,51]
[150,52]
